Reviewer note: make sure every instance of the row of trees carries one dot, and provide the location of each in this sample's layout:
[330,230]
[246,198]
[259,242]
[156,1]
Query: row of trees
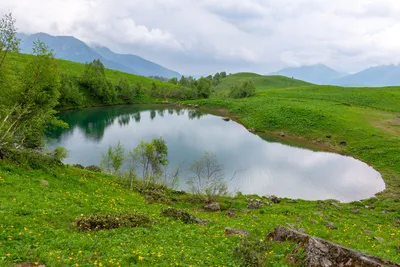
[149,161]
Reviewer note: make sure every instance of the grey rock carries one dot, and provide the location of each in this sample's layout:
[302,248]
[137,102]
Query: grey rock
[282,134]
[331,225]
[355,211]
[212,207]
[274,199]
[320,252]
[226,119]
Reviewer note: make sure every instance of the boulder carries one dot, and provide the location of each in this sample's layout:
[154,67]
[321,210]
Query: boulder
[252,130]
[320,252]
[355,211]
[215,206]
[232,231]
[226,119]
[44,183]
[282,134]
[274,199]
[254,204]
[331,225]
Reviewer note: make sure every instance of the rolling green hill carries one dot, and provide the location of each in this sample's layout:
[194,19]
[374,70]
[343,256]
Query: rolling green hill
[260,81]
[76,69]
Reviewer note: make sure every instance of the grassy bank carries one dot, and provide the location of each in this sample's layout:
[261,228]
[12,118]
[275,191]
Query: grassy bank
[37,224]
[361,122]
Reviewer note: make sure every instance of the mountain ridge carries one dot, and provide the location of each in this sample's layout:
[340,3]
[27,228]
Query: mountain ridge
[73,49]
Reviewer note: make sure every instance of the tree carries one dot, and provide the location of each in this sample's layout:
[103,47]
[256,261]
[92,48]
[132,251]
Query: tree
[203,88]
[246,89]
[150,158]
[8,37]
[95,81]
[207,177]
[114,159]
[70,95]
[173,80]
[30,111]
[223,74]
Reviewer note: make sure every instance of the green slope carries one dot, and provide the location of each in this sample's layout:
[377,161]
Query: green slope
[37,224]
[76,69]
[261,82]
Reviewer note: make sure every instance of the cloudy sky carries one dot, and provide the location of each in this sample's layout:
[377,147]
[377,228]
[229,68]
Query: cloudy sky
[199,37]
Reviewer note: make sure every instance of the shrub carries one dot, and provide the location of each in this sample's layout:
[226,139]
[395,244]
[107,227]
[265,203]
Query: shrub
[154,193]
[246,89]
[93,168]
[60,153]
[111,221]
[251,252]
[180,215]
[79,166]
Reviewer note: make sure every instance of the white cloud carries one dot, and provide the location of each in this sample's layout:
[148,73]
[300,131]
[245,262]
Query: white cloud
[201,37]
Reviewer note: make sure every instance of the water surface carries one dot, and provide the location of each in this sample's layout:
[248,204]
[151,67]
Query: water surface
[262,167]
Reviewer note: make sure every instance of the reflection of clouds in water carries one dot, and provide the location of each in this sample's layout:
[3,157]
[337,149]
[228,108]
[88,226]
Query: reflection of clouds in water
[271,168]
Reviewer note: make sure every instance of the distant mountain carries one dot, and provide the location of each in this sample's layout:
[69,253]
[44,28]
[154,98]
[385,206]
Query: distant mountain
[318,74]
[142,66]
[388,75]
[73,49]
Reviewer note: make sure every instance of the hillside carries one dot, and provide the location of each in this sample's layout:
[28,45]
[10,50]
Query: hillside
[261,82]
[73,49]
[76,69]
[318,74]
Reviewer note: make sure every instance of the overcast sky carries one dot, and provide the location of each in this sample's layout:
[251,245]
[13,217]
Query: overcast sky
[199,37]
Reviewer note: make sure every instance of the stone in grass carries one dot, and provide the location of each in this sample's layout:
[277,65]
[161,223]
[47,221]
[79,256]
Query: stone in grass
[320,252]
[44,183]
[230,214]
[274,199]
[215,206]
[254,204]
[355,211]
[331,225]
[233,231]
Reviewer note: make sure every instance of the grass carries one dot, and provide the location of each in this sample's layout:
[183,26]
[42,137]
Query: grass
[37,224]
[37,221]
[76,69]
[261,82]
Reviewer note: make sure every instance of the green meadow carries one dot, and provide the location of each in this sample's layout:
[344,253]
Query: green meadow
[39,204]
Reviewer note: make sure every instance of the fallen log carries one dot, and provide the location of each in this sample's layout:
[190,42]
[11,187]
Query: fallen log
[320,252]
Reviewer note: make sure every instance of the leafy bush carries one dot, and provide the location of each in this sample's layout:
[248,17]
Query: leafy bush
[251,252]
[60,153]
[111,221]
[154,193]
[79,166]
[180,215]
[93,168]
[113,160]
[246,89]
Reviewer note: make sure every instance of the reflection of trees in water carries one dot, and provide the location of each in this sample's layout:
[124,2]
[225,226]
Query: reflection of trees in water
[136,116]
[93,122]
[195,114]
[152,114]
[124,119]
[160,112]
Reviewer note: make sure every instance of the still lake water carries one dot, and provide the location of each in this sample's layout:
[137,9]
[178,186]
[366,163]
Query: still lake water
[264,168]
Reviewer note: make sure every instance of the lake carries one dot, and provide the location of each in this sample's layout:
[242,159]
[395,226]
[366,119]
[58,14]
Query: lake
[262,167]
